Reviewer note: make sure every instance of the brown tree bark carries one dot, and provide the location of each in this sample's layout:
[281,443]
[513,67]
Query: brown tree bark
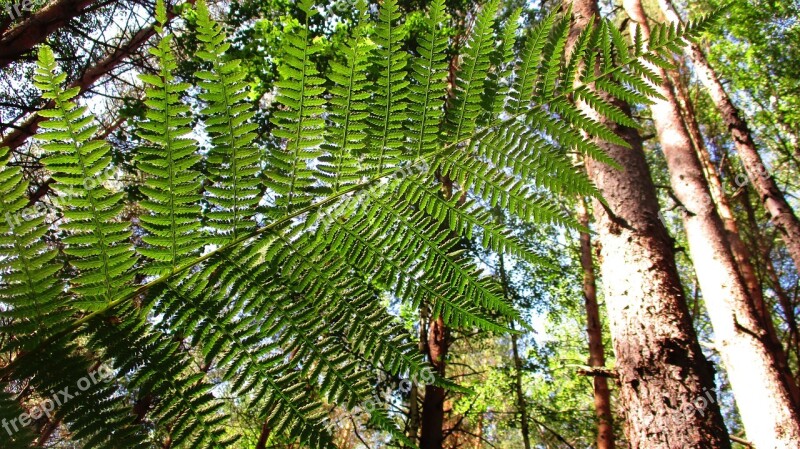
[659,363]
[34,30]
[431,435]
[768,412]
[263,436]
[773,200]
[30,125]
[740,252]
[785,302]
[597,356]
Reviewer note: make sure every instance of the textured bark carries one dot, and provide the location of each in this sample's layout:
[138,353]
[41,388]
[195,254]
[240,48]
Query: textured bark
[29,127]
[659,364]
[773,200]
[597,356]
[765,402]
[432,435]
[785,302]
[34,30]
[740,252]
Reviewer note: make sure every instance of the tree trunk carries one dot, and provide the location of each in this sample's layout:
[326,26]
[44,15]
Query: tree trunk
[785,302]
[765,402]
[29,127]
[34,30]
[659,364]
[597,357]
[740,252]
[432,435]
[774,202]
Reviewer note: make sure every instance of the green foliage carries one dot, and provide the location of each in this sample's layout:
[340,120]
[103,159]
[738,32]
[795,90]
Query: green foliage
[233,159]
[300,123]
[284,309]
[428,72]
[97,243]
[28,262]
[169,162]
[387,112]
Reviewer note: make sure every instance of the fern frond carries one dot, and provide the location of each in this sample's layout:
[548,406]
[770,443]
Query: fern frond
[156,365]
[98,241]
[233,159]
[28,264]
[500,190]
[347,113]
[553,59]
[526,70]
[249,365]
[534,158]
[428,71]
[467,219]
[172,184]
[469,84]
[498,79]
[388,108]
[299,122]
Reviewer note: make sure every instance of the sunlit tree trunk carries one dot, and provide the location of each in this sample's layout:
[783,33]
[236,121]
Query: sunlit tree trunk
[787,305]
[774,201]
[594,330]
[660,367]
[765,402]
[738,248]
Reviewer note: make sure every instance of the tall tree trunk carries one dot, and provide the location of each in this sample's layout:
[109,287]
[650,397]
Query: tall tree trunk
[740,252]
[34,30]
[774,202]
[766,405]
[785,302]
[659,364]
[597,356]
[432,435]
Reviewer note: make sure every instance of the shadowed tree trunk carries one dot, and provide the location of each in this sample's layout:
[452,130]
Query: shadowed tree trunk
[773,200]
[30,125]
[432,435]
[597,357]
[765,402]
[659,363]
